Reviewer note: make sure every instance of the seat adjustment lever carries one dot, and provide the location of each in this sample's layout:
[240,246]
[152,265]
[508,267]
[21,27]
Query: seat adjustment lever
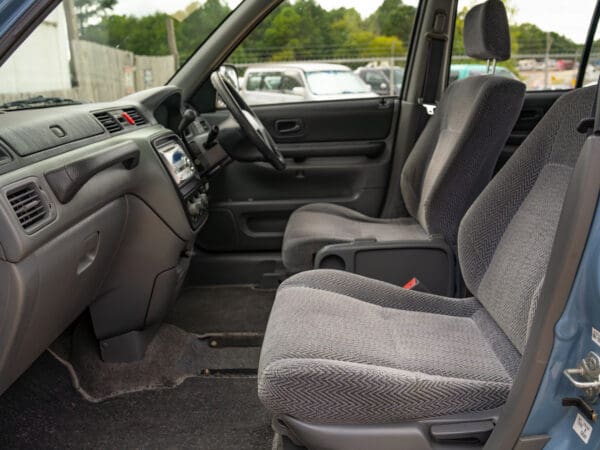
[463,432]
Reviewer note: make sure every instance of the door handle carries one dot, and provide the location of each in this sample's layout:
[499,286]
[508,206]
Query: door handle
[288,126]
[531,114]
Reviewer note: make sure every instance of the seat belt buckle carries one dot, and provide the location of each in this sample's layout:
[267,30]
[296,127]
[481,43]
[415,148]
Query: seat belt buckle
[414,284]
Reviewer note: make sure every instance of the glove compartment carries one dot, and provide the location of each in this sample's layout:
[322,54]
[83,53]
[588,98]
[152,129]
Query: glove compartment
[44,292]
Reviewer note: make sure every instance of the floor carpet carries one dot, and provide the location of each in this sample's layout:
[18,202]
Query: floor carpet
[173,356]
[212,309]
[42,410]
[189,391]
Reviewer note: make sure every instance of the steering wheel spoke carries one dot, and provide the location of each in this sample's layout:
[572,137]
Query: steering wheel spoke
[248,121]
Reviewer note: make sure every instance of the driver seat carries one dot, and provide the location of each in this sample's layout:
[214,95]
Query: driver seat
[452,161]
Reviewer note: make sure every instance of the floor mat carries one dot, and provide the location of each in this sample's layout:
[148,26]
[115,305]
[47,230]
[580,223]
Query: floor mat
[210,309]
[173,356]
[42,410]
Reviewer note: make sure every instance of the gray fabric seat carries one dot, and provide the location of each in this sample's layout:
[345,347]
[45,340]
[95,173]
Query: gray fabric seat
[343,349]
[314,226]
[450,164]
[364,351]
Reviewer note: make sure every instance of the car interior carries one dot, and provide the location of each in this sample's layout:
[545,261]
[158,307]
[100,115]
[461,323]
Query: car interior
[181,268]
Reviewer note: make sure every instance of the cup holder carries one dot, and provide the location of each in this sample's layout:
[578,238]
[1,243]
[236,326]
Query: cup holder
[332,262]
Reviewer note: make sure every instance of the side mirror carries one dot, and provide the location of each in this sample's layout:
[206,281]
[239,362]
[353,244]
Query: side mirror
[230,72]
[299,91]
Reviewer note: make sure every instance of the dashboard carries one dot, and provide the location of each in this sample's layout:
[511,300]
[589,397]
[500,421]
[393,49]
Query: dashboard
[100,205]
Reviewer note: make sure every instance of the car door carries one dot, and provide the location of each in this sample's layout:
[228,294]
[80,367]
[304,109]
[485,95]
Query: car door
[336,151]
[338,148]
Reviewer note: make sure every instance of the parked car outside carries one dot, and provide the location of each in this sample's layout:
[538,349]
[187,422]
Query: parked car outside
[565,64]
[301,82]
[380,79]
[460,71]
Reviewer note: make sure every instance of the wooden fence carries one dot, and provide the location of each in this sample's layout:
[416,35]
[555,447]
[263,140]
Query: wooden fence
[102,73]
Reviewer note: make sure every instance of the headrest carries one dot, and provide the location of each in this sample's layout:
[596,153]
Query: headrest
[486,32]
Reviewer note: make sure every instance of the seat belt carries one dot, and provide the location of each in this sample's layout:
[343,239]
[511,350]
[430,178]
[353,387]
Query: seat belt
[435,57]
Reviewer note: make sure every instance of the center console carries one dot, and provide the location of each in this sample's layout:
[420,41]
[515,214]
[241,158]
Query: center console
[191,187]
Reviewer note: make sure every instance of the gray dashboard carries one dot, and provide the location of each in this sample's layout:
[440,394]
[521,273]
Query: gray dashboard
[91,216]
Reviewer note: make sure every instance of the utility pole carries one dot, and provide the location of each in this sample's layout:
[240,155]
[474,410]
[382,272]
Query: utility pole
[392,74]
[73,35]
[172,41]
[547,60]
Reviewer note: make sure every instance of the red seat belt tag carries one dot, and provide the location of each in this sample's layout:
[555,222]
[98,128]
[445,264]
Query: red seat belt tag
[411,283]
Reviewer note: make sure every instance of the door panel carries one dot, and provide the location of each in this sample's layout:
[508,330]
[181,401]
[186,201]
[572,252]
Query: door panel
[347,120]
[337,152]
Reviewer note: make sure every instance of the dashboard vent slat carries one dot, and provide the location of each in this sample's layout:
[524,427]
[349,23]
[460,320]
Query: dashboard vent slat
[111,124]
[29,205]
[137,117]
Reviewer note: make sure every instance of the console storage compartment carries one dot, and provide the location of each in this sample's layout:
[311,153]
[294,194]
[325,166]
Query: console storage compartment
[432,262]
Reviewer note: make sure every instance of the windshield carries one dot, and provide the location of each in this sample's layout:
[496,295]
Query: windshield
[102,50]
[332,82]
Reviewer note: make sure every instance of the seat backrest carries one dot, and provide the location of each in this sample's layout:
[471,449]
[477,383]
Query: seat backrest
[455,156]
[505,238]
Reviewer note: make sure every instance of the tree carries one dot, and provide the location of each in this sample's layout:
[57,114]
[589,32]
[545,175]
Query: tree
[86,10]
[194,30]
[533,40]
[141,35]
[393,18]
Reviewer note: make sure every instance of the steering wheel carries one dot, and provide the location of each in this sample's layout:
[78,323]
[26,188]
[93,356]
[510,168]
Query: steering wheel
[248,121]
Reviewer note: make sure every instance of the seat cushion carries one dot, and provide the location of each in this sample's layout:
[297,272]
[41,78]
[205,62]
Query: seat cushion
[345,349]
[314,226]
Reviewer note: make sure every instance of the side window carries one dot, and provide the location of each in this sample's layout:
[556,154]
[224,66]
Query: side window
[254,81]
[374,78]
[271,82]
[321,47]
[547,43]
[289,82]
[592,71]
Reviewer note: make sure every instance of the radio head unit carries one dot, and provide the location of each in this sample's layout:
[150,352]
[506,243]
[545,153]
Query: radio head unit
[176,160]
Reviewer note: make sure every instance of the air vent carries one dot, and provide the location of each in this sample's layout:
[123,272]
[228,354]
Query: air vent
[108,121]
[29,206]
[138,118]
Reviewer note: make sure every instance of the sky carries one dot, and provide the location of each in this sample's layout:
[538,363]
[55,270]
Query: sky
[558,15]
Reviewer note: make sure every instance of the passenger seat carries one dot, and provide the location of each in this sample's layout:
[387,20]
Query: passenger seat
[450,164]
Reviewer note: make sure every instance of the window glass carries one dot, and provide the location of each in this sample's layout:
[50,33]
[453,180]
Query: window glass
[289,82]
[331,82]
[374,78]
[332,45]
[101,50]
[592,71]
[272,82]
[254,81]
[548,38]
